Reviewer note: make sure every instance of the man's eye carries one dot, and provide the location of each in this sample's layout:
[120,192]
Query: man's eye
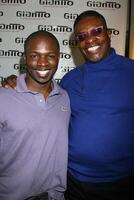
[33,56]
[97,31]
[81,36]
[51,56]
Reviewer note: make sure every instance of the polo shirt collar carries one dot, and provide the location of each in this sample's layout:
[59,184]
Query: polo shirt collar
[22,87]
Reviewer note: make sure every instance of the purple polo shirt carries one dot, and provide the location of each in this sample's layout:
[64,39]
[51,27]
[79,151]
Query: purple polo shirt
[33,142]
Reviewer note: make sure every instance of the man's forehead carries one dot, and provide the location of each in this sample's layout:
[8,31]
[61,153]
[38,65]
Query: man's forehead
[89,21]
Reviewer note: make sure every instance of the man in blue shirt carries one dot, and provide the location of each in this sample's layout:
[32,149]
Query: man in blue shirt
[34,122]
[101,132]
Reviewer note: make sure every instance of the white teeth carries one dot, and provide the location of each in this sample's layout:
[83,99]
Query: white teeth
[93,48]
[43,73]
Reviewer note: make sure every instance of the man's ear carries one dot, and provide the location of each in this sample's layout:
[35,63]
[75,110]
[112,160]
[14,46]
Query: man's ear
[24,57]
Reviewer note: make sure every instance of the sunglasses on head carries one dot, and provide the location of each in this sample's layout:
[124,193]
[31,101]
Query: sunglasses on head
[80,37]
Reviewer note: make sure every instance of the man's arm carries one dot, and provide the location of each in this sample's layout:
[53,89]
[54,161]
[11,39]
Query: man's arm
[10,81]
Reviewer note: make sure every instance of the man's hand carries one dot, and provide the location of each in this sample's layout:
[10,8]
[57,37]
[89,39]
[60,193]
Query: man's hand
[10,81]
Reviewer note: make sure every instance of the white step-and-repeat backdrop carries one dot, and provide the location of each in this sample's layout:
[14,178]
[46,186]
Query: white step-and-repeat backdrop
[19,18]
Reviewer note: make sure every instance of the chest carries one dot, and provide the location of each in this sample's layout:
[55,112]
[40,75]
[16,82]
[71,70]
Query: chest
[103,89]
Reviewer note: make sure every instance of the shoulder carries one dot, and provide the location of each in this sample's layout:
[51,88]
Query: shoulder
[4,92]
[126,65]
[6,95]
[71,73]
[125,60]
[121,61]
[64,97]
[63,93]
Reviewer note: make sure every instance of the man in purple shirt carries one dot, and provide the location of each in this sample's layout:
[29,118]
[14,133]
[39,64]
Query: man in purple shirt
[34,122]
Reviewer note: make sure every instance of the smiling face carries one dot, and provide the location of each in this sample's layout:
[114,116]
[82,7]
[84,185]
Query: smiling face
[93,38]
[41,58]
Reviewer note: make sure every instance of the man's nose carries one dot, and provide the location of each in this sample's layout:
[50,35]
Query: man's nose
[43,60]
[90,37]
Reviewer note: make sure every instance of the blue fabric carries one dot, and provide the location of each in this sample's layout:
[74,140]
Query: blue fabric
[101,134]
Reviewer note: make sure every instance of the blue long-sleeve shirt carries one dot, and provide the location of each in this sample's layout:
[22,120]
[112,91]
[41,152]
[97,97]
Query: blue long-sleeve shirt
[101,134]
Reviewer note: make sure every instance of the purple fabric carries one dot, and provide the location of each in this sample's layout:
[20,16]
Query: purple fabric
[33,142]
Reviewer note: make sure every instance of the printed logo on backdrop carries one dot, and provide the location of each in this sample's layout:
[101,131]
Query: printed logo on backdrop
[1,13]
[10,53]
[114,32]
[19,40]
[64,12]
[65,69]
[65,42]
[71,43]
[20,68]
[58,28]
[17,53]
[64,55]
[106,5]
[56,3]
[70,16]
[12,27]
[33,15]
[12,2]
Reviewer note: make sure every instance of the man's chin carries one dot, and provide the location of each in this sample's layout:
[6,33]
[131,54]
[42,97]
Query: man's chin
[93,60]
[43,82]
